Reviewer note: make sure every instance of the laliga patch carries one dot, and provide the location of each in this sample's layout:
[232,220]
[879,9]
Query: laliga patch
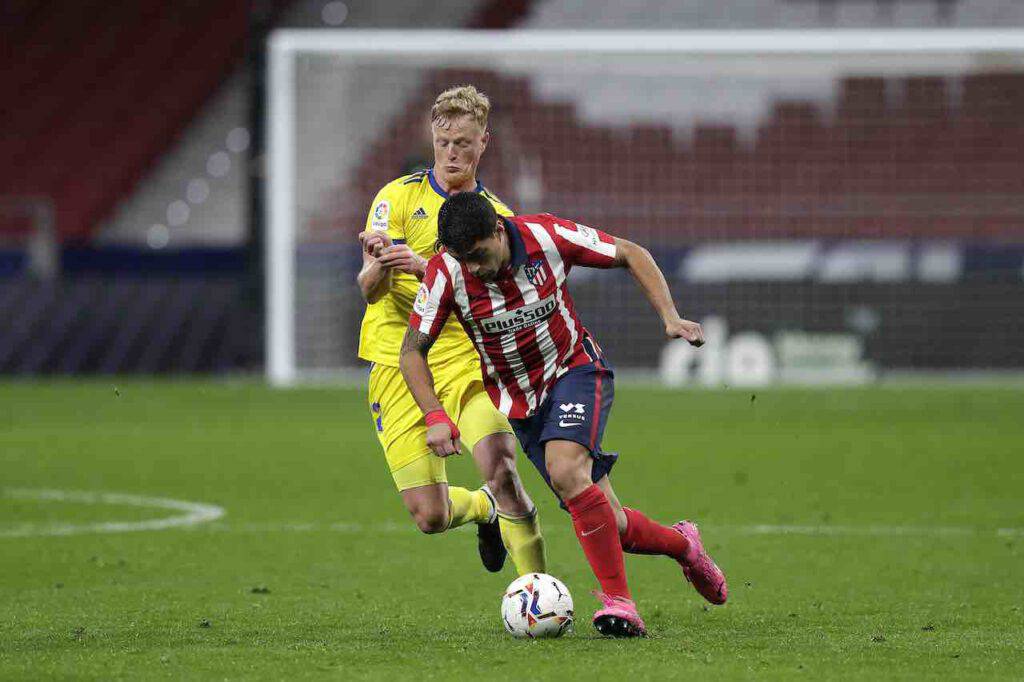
[421,304]
[589,234]
[381,214]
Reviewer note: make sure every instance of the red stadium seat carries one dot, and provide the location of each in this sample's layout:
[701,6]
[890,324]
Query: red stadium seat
[106,86]
[899,159]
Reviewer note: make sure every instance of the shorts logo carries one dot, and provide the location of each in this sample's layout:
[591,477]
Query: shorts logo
[422,300]
[536,273]
[515,320]
[381,214]
[379,418]
[573,414]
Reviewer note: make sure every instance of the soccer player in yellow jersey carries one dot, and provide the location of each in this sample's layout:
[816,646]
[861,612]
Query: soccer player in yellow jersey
[400,234]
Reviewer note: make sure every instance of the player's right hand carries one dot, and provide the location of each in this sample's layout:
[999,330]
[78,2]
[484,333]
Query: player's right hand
[440,440]
[374,242]
[685,329]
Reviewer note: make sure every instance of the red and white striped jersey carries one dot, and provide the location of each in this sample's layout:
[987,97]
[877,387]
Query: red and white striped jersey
[524,324]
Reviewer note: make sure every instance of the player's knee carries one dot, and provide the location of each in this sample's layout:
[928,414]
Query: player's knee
[429,518]
[567,478]
[562,486]
[430,521]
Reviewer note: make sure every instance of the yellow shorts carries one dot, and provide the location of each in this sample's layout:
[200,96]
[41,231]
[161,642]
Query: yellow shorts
[402,431]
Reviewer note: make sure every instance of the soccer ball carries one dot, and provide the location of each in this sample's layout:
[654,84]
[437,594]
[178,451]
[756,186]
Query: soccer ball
[537,605]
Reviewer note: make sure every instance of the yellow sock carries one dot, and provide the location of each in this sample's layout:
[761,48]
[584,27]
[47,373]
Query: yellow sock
[467,506]
[524,542]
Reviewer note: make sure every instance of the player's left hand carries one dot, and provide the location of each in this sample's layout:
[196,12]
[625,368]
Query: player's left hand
[401,257]
[374,242]
[685,329]
[442,441]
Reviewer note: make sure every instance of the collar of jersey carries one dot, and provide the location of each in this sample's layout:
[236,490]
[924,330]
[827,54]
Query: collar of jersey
[515,244]
[440,190]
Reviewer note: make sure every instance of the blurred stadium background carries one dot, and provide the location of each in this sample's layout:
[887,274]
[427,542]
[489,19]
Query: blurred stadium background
[847,220]
[839,218]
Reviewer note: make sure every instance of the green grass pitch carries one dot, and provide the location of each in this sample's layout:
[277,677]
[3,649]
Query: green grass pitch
[869,533]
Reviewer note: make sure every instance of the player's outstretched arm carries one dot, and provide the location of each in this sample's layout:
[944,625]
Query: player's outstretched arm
[442,433]
[652,281]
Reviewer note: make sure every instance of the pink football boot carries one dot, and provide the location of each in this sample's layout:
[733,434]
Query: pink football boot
[705,576]
[618,618]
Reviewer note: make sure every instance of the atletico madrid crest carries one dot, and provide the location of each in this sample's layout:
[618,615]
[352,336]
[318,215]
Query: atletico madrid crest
[535,272]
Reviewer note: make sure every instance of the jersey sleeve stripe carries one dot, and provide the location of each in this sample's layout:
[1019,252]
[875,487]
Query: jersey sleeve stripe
[427,321]
[458,285]
[602,248]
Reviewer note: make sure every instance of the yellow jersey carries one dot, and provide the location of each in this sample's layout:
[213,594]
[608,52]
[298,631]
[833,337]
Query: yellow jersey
[406,209]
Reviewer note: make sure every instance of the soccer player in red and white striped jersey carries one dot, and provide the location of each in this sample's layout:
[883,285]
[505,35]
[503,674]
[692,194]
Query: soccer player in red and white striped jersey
[505,281]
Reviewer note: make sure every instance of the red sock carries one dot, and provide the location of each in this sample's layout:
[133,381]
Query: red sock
[644,536]
[594,521]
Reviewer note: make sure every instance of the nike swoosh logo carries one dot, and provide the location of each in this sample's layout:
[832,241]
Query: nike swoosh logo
[592,531]
[565,424]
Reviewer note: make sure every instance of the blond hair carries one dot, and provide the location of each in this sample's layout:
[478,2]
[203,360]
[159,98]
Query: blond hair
[462,100]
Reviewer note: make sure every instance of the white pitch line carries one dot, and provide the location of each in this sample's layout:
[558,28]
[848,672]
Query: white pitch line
[879,530]
[198,513]
[309,527]
[194,512]
[762,529]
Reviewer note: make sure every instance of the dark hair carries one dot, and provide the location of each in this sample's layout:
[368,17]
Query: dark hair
[465,219]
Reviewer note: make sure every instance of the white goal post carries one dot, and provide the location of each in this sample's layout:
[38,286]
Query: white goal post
[792,50]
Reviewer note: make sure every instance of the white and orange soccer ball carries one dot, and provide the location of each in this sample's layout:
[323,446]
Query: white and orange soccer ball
[537,605]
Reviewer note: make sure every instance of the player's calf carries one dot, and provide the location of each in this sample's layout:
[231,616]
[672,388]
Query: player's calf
[681,542]
[495,456]
[517,530]
[439,507]
[641,535]
[569,466]
[428,506]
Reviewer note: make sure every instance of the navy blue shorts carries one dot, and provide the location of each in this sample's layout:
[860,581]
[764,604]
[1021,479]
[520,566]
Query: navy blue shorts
[577,409]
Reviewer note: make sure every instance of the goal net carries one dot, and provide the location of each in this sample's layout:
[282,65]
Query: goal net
[834,206]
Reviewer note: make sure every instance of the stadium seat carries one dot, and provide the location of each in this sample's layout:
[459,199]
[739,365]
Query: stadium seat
[105,86]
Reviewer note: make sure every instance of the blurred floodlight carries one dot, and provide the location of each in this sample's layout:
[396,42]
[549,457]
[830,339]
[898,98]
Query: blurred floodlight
[198,191]
[863,319]
[238,140]
[158,236]
[334,13]
[218,164]
[178,213]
